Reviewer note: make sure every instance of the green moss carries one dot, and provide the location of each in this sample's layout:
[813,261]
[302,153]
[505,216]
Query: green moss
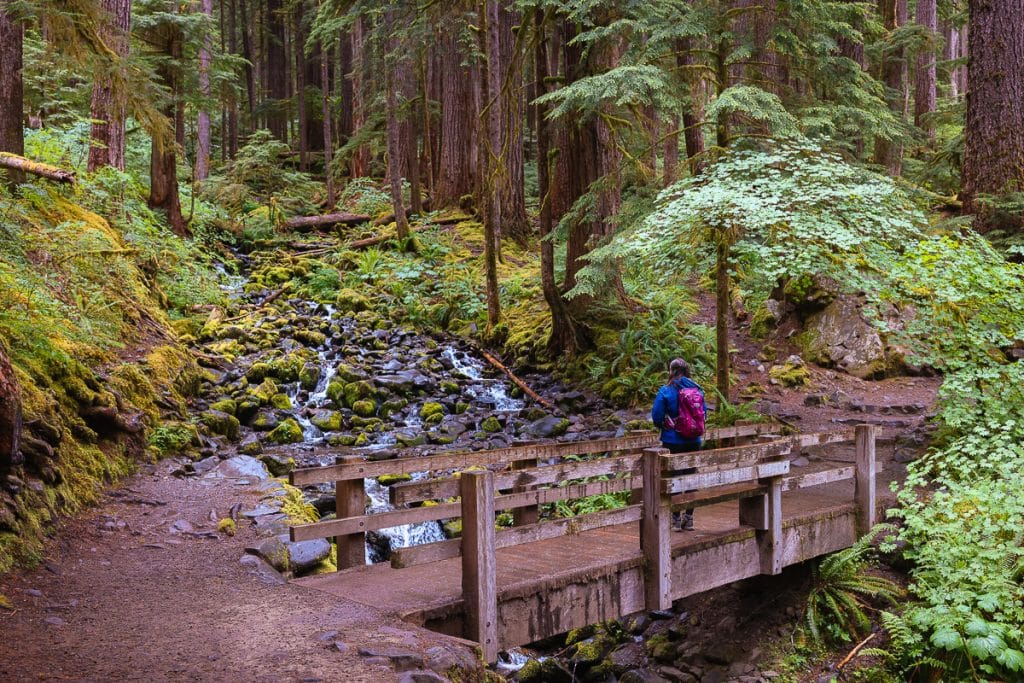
[430,409]
[336,391]
[288,431]
[790,375]
[281,402]
[491,424]
[461,408]
[410,440]
[257,372]
[357,391]
[449,387]
[452,528]
[350,301]
[221,423]
[364,408]
[329,423]
[174,437]
[225,405]
[311,338]
[227,526]
[309,376]
[342,439]
[389,479]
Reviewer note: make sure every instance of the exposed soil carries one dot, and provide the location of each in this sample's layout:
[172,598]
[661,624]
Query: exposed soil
[122,596]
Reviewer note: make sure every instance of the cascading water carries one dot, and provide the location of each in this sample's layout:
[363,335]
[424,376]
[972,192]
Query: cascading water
[397,537]
[485,389]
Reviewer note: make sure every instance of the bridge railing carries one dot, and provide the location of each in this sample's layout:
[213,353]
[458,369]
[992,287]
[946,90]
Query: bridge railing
[756,474]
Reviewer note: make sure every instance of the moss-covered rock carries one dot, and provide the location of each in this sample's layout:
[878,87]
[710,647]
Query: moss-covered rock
[327,421]
[449,387]
[452,528]
[491,424]
[364,408]
[311,338]
[265,391]
[357,391]
[336,391]
[430,409]
[461,407]
[345,373]
[392,406]
[221,423]
[257,372]
[351,301]
[278,465]
[309,376]
[389,479]
[288,431]
[225,405]
[341,439]
[264,421]
[281,402]
[790,375]
[410,439]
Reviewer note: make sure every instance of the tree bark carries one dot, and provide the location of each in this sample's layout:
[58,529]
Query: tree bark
[325,91]
[10,410]
[12,132]
[491,134]
[563,331]
[360,163]
[107,110]
[299,50]
[393,130]
[232,130]
[456,176]
[250,60]
[693,136]
[163,169]
[924,90]
[203,123]
[722,317]
[893,75]
[951,51]
[670,156]
[277,76]
[19,164]
[993,161]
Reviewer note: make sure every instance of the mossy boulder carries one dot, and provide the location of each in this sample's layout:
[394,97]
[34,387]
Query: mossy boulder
[257,372]
[491,424]
[357,391]
[389,479]
[225,405]
[341,439]
[351,301]
[790,374]
[364,408]
[345,373]
[392,406]
[461,407]
[288,431]
[410,439]
[328,421]
[430,409]
[246,408]
[278,465]
[449,387]
[265,391]
[221,423]
[309,376]
[368,424]
[336,391]
[265,421]
[311,338]
[281,402]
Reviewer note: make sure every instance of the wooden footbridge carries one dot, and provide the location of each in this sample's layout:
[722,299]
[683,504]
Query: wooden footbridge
[503,588]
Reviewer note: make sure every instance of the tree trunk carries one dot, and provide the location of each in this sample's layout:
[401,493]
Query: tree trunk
[491,134]
[203,124]
[231,143]
[563,331]
[250,73]
[670,155]
[951,51]
[277,76]
[107,111]
[722,317]
[893,75]
[163,171]
[393,131]
[360,163]
[692,134]
[993,161]
[924,91]
[328,142]
[10,404]
[456,176]
[12,132]
[514,221]
[299,50]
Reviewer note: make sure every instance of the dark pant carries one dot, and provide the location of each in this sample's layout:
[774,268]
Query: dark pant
[683,448]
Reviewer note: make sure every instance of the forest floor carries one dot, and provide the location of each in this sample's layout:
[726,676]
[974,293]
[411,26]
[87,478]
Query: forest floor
[142,587]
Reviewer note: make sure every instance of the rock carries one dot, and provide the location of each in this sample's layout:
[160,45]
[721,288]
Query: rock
[491,424]
[356,391]
[724,652]
[267,574]
[546,427]
[241,466]
[789,375]
[642,676]
[800,461]
[351,301]
[410,438]
[401,660]
[225,405]
[221,423]
[281,401]
[250,446]
[54,621]
[715,675]
[257,372]
[432,413]
[288,431]
[840,337]
[306,555]
[421,676]
[265,421]
[364,408]
[309,376]
[205,465]
[327,420]
[627,656]
[278,465]
[274,552]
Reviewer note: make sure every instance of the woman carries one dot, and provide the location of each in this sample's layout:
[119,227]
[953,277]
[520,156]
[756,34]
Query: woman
[675,437]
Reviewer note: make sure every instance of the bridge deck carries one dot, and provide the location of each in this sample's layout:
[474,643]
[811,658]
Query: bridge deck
[431,593]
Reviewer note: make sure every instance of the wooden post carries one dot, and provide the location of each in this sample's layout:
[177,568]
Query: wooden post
[350,501]
[479,563]
[764,513]
[654,534]
[864,489]
[531,513]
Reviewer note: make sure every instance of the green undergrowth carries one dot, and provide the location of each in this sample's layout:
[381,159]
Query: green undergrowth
[89,279]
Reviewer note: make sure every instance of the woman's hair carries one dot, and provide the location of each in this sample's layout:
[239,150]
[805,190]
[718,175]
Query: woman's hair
[678,368]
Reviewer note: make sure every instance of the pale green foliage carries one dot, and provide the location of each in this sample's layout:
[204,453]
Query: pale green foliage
[757,105]
[846,220]
[621,87]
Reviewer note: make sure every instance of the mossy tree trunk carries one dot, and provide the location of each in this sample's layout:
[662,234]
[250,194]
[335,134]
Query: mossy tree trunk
[107,109]
[163,184]
[10,414]
[12,136]
[393,130]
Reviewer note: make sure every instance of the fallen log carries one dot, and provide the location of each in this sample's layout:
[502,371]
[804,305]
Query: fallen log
[326,220]
[380,239]
[518,382]
[20,163]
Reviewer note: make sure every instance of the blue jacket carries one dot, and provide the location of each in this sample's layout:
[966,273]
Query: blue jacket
[667,403]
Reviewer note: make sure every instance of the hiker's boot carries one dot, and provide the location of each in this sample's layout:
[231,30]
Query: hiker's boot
[687,522]
[677,521]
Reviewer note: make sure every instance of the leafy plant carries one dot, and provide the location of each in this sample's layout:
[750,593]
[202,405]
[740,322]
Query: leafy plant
[840,586]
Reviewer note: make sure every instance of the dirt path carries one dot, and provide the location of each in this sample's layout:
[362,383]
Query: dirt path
[123,596]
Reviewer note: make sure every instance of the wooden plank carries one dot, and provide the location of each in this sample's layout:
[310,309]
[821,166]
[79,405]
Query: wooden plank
[822,438]
[736,475]
[770,540]
[654,534]
[350,501]
[436,489]
[381,520]
[754,511]
[719,494]
[818,478]
[566,526]
[551,495]
[464,459]
[530,514]
[864,487]
[479,562]
[727,456]
[741,430]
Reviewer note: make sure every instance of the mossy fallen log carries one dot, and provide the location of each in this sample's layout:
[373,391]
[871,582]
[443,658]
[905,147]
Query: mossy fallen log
[20,163]
[329,219]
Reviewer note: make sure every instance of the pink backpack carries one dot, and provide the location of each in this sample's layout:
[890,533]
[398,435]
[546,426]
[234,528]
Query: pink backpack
[690,422]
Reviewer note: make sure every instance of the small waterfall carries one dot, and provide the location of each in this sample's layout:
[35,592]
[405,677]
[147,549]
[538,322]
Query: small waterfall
[485,389]
[513,660]
[400,536]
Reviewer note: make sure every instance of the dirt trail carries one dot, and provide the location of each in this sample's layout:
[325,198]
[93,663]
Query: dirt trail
[124,596]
